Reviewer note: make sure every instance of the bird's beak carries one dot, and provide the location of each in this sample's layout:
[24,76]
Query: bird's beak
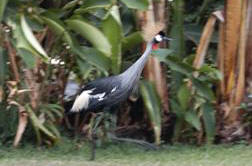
[167,38]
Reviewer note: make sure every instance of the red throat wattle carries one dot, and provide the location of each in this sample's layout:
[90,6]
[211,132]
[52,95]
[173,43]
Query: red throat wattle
[155,46]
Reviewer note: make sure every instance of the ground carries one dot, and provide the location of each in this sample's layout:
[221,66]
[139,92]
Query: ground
[73,154]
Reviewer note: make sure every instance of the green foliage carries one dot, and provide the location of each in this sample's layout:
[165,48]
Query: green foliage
[8,124]
[94,57]
[193,119]
[136,4]
[28,34]
[86,38]
[23,46]
[57,26]
[153,106]
[193,102]
[130,41]
[177,31]
[45,121]
[113,22]
[192,95]
[184,96]
[209,121]
[2,8]
[91,37]
[3,67]
[88,31]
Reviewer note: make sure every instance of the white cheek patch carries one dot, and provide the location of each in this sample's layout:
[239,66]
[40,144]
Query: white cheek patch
[158,38]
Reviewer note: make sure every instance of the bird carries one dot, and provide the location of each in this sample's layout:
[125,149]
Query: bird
[104,93]
[110,91]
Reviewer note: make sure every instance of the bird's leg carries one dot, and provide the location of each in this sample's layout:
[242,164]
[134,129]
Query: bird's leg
[93,141]
[97,118]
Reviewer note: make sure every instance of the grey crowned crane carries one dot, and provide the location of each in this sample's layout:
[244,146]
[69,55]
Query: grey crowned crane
[107,92]
[110,91]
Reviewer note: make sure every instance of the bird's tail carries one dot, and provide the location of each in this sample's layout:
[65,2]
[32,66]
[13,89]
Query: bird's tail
[68,107]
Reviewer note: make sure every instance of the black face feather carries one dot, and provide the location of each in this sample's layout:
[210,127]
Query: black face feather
[161,33]
[160,37]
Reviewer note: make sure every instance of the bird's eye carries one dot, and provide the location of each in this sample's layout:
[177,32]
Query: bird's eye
[158,38]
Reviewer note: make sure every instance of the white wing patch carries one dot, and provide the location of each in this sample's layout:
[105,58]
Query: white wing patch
[114,89]
[100,96]
[81,101]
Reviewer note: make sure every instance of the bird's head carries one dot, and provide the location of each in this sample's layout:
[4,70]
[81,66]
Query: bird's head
[160,37]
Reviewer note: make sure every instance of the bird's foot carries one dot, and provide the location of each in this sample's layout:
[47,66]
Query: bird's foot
[96,120]
[93,149]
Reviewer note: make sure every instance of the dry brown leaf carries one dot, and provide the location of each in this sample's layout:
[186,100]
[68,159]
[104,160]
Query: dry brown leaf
[204,42]
[249,48]
[240,85]
[221,54]
[233,13]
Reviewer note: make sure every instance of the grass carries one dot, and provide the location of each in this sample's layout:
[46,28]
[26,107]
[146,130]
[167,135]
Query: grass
[69,153]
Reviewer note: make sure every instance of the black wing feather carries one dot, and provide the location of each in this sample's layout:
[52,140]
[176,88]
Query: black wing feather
[102,85]
[99,86]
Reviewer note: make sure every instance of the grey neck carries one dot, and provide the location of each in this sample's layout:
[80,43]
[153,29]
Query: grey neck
[137,67]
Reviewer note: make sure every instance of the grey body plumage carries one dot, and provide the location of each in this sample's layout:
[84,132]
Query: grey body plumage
[109,91]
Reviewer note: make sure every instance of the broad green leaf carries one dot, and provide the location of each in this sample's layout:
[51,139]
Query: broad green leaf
[58,27]
[53,110]
[132,40]
[2,8]
[91,4]
[53,129]
[176,65]
[49,114]
[184,96]
[177,109]
[92,34]
[112,29]
[128,20]
[161,54]
[84,67]
[209,121]
[70,4]
[35,24]
[27,57]
[94,57]
[56,109]
[38,125]
[31,38]
[211,72]
[177,31]
[114,12]
[136,4]
[180,113]
[153,106]
[206,68]
[193,119]
[55,106]
[203,89]
[22,44]
[177,45]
